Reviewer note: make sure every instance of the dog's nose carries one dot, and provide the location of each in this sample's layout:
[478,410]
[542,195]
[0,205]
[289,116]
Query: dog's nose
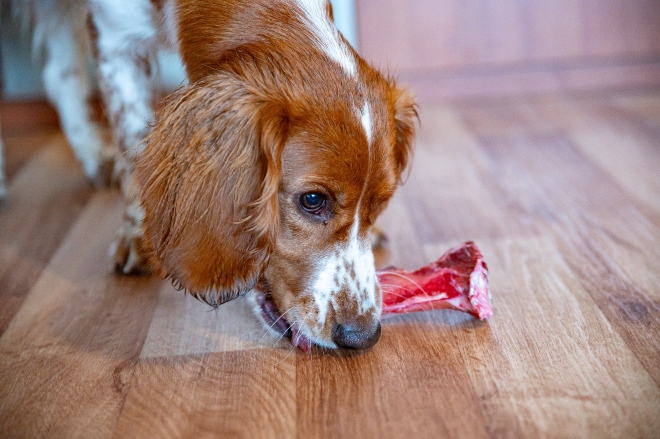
[355,336]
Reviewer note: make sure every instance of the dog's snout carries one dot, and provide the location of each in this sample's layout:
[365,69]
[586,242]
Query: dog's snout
[355,336]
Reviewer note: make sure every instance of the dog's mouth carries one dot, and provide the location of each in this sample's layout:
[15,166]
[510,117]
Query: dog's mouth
[276,321]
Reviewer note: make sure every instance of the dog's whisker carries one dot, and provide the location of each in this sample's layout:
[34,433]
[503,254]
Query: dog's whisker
[274,323]
[393,273]
[389,285]
[392,291]
[293,348]
[398,295]
[394,288]
[282,336]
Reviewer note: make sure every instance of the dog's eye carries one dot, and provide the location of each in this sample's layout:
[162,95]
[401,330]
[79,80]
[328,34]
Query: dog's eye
[313,202]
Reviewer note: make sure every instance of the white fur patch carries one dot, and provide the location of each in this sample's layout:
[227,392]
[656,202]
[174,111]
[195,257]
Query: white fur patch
[349,267]
[365,118]
[327,276]
[68,87]
[360,254]
[328,38]
[60,28]
[127,38]
[128,96]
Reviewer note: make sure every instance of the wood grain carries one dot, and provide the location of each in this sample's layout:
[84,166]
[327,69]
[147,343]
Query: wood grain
[561,194]
[372,395]
[230,394]
[590,217]
[45,198]
[560,369]
[67,356]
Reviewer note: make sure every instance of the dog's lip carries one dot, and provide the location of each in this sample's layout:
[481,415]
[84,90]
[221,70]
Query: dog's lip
[274,318]
[272,315]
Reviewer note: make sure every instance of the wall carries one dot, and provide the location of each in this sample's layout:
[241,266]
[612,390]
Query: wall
[465,48]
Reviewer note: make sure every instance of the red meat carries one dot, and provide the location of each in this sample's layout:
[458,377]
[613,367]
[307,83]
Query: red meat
[458,280]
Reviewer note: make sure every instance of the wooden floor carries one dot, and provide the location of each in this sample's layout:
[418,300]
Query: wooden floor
[561,194]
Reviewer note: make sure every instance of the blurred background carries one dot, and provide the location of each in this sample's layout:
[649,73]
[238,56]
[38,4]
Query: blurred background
[460,48]
[468,48]
[20,73]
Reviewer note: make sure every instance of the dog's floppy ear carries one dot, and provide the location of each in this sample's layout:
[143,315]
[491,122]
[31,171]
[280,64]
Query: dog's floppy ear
[405,123]
[208,180]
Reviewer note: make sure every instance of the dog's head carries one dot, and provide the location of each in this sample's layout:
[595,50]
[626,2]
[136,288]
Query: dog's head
[269,178]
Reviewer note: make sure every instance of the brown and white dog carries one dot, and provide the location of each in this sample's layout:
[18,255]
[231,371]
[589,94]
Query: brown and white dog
[265,174]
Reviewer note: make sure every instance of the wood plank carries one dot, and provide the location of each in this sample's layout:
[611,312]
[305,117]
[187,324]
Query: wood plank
[645,105]
[403,242]
[67,358]
[414,383]
[227,394]
[19,149]
[519,183]
[25,116]
[46,197]
[182,325]
[550,364]
[626,146]
[446,193]
[548,189]
[209,361]
[589,216]
[618,134]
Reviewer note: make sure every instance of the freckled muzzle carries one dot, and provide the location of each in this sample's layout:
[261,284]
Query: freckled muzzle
[359,334]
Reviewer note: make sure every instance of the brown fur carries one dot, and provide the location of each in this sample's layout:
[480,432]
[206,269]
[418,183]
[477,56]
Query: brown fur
[267,117]
[209,180]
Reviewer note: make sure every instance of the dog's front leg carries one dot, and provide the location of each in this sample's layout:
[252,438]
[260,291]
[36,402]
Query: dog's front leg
[68,85]
[125,40]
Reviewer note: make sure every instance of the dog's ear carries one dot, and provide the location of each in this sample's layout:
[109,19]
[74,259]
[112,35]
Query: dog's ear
[405,122]
[208,178]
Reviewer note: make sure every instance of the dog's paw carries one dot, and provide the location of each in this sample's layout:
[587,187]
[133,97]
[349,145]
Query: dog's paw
[129,252]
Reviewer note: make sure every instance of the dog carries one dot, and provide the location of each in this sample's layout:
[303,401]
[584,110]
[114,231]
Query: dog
[265,174]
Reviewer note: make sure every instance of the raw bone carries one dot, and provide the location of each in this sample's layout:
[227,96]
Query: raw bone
[457,280]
